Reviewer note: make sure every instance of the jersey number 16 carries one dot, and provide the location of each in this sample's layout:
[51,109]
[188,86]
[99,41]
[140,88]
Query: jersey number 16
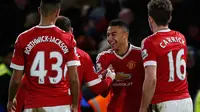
[178,63]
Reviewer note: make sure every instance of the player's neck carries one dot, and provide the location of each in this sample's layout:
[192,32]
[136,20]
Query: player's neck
[160,28]
[46,22]
[123,49]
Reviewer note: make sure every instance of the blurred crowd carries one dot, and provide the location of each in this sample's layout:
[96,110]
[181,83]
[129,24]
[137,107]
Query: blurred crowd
[89,21]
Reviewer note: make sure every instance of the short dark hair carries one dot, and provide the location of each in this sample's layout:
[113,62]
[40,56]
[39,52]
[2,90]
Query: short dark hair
[63,23]
[160,11]
[120,23]
[49,6]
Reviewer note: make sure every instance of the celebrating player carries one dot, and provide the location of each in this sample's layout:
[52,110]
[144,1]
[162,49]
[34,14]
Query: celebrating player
[86,70]
[164,56]
[126,59]
[42,53]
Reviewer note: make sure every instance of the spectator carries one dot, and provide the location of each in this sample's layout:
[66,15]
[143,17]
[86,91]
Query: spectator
[5,74]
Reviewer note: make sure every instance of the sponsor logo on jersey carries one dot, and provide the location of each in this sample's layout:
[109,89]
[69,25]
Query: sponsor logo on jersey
[122,84]
[121,76]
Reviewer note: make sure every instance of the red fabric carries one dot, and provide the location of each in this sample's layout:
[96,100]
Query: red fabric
[126,90]
[33,51]
[167,48]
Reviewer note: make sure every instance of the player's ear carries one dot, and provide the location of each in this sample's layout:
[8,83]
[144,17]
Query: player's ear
[170,19]
[126,34]
[57,12]
[150,19]
[71,30]
[39,11]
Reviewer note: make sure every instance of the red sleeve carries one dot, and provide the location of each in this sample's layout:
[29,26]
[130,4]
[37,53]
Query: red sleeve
[91,78]
[102,87]
[18,56]
[71,56]
[148,53]
[101,64]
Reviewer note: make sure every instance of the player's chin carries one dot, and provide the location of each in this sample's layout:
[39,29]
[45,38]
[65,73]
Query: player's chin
[114,47]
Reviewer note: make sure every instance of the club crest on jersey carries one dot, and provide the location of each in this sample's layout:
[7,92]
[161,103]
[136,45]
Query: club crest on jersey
[131,64]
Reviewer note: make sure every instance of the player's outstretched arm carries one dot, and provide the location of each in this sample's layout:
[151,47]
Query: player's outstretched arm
[101,66]
[13,87]
[74,85]
[103,85]
[149,86]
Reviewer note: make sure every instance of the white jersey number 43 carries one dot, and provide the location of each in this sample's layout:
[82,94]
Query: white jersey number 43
[178,63]
[39,62]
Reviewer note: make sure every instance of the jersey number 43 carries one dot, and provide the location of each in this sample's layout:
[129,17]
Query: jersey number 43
[39,62]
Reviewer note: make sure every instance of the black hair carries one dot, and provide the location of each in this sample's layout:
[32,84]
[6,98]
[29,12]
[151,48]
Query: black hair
[120,23]
[49,6]
[160,11]
[63,23]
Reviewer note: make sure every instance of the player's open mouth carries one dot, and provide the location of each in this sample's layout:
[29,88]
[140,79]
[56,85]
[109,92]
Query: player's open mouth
[112,43]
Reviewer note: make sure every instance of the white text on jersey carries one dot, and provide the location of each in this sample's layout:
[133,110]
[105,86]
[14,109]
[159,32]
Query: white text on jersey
[122,84]
[41,39]
[169,40]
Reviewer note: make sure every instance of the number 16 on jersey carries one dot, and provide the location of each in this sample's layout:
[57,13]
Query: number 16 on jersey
[178,62]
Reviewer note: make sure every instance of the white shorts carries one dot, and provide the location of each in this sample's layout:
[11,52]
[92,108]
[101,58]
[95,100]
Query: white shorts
[63,108]
[183,105]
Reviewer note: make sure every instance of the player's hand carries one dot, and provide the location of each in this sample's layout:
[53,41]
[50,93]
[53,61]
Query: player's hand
[111,73]
[74,109]
[104,72]
[11,106]
[143,110]
[15,103]
[150,108]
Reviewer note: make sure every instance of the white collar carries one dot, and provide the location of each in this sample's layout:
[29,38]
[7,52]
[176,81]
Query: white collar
[164,30]
[124,56]
[47,26]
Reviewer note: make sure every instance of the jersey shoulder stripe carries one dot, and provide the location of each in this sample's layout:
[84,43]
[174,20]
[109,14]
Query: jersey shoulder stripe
[135,47]
[109,51]
[24,33]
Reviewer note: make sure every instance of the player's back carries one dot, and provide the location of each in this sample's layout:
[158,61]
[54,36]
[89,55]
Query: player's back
[83,57]
[127,87]
[46,54]
[171,56]
[85,71]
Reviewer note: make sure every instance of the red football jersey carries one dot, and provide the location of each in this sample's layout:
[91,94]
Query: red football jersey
[88,76]
[42,52]
[167,50]
[127,88]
